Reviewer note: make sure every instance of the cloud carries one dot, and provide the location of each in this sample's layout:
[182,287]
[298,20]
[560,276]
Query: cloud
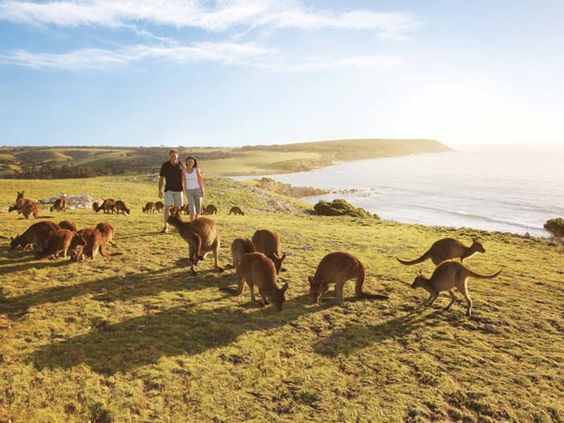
[101,59]
[212,16]
[227,53]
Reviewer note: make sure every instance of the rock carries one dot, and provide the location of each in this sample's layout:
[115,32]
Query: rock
[490,328]
[527,235]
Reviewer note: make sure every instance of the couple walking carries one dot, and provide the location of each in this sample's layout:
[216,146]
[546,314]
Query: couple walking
[177,179]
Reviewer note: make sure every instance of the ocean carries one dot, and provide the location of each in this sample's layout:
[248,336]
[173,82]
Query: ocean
[492,190]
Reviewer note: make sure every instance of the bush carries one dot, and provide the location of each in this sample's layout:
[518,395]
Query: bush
[555,227]
[341,207]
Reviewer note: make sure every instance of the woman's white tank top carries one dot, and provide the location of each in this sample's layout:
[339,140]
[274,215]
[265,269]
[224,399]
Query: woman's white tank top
[192,180]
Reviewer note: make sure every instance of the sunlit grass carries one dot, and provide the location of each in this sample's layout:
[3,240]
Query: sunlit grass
[136,338]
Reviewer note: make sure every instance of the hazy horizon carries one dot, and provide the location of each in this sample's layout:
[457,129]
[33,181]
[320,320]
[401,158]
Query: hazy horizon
[262,72]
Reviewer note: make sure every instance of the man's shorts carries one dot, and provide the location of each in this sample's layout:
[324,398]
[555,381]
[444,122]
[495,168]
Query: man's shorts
[173,198]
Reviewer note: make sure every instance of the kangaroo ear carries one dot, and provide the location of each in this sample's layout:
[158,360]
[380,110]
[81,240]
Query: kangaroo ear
[284,287]
[420,272]
[283,257]
[310,279]
[12,238]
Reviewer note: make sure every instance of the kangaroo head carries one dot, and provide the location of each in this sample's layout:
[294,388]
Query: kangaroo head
[419,280]
[278,298]
[77,253]
[314,288]
[20,195]
[278,261]
[477,245]
[15,242]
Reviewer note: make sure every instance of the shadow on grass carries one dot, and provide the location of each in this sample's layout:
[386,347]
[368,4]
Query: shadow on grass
[113,288]
[355,337]
[181,330]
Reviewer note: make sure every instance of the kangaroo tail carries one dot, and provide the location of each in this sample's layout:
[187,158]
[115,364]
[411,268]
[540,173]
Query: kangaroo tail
[418,260]
[479,276]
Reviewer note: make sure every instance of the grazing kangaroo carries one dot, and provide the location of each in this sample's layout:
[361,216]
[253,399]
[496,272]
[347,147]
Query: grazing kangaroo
[59,205]
[448,275]
[159,206]
[67,224]
[60,243]
[258,270]
[240,247]
[338,267]
[120,206]
[95,243]
[447,249]
[108,206]
[268,243]
[236,211]
[201,237]
[107,230]
[149,207]
[210,209]
[37,235]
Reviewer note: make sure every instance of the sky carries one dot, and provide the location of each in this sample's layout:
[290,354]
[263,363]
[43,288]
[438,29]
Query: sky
[232,72]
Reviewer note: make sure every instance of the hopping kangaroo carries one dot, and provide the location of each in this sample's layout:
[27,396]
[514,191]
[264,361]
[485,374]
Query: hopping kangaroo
[447,249]
[240,247]
[338,267]
[258,270]
[201,237]
[236,211]
[448,275]
[268,243]
[59,205]
[60,243]
[37,235]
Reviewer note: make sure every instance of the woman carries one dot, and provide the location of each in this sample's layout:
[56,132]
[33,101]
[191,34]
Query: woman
[193,185]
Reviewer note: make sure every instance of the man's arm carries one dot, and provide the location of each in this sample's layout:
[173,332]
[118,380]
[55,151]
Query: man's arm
[161,182]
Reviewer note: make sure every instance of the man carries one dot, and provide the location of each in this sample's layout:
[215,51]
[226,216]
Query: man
[171,172]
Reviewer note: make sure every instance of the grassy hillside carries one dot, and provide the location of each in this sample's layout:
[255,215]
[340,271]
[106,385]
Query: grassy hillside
[43,161]
[136,338]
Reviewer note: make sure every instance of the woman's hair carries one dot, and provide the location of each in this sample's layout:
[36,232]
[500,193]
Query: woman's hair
[191,158]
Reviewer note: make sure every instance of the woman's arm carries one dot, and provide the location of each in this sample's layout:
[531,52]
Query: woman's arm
[201,181]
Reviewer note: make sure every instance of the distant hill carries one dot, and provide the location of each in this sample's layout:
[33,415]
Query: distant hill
[73,162]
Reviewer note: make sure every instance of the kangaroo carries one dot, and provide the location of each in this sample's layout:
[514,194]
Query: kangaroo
[268,243]
[210,209]
[201,237]
[59,205]
[37,235]
[107,230]
[338,267]
[149,207]
[240,247]
[108,206]
[25,206]
[159,206]
[67,224]
[60,243]
[120,206]
[448,275]
[95,243]
[236,211]
[96,206]
[446,249]
[258,270]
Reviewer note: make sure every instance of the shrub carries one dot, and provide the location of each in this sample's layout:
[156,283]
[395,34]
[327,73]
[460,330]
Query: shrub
[341,207]
[555,227]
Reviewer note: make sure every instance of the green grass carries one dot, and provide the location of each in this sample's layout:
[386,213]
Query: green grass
[136,338]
